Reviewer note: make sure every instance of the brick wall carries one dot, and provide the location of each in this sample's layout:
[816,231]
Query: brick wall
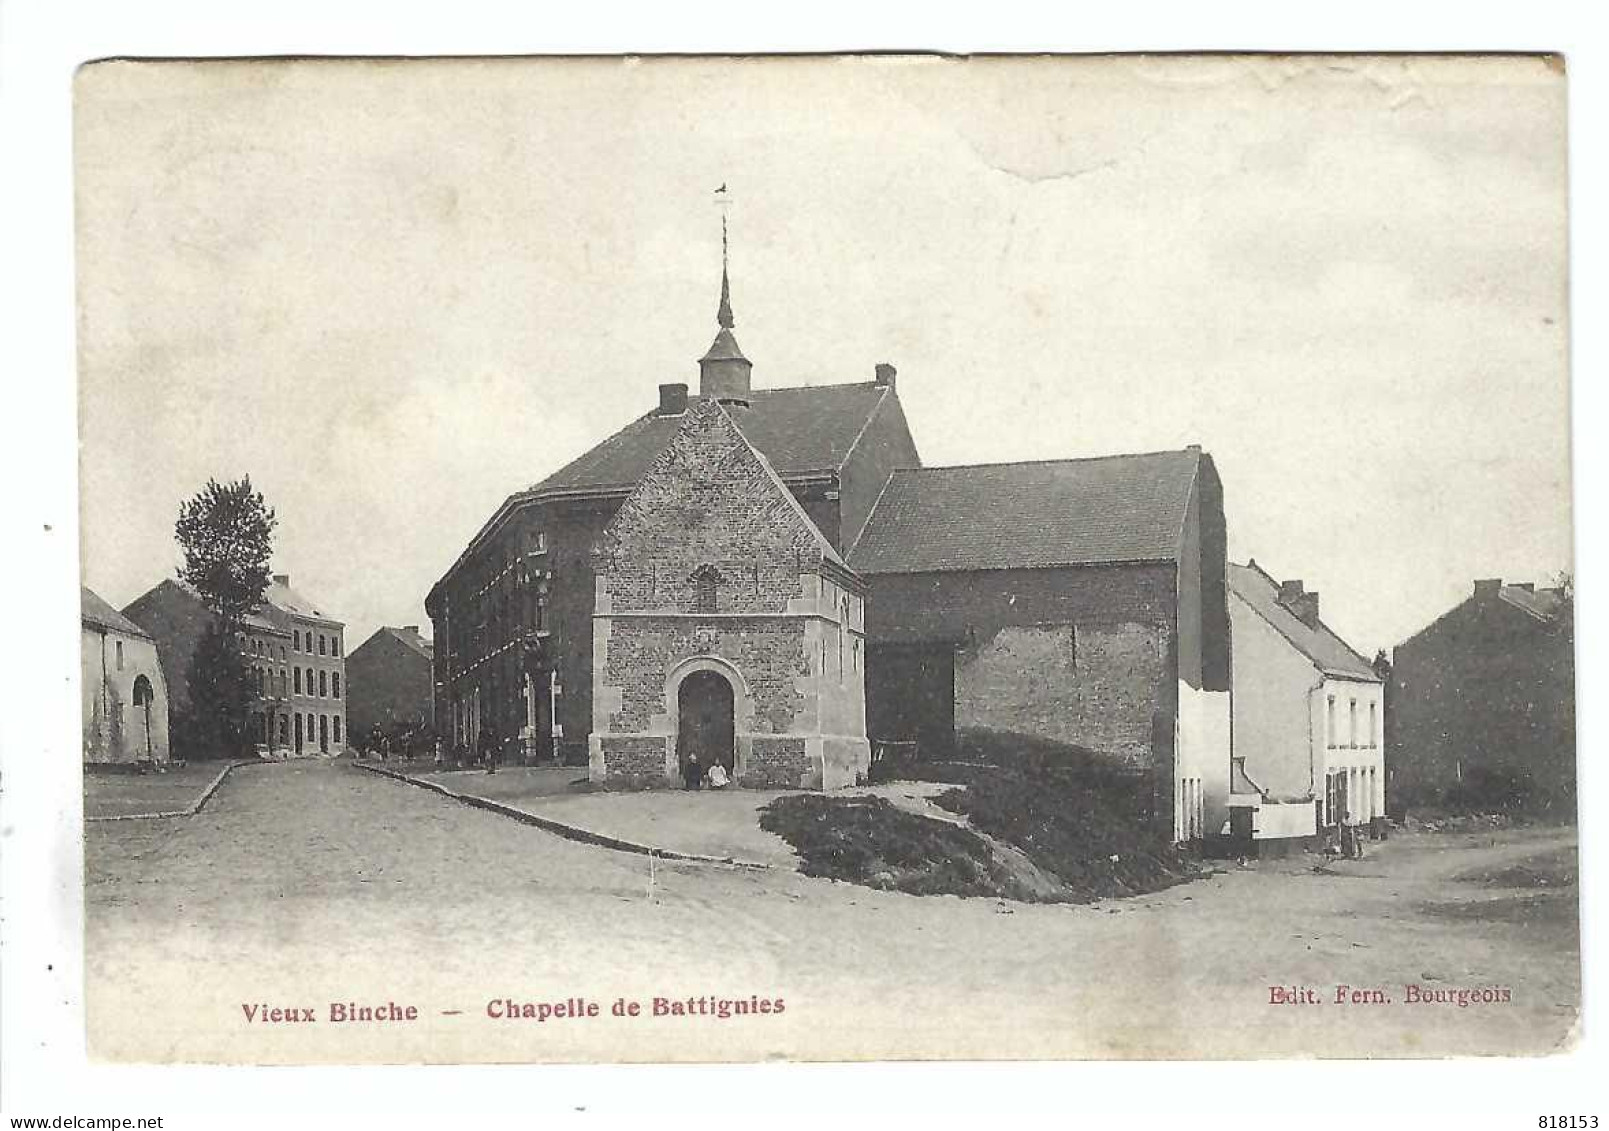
[1089,685]
[632,761]
[1127,680]
[775,763]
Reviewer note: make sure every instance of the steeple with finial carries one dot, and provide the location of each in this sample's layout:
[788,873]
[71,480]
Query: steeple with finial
[723,371]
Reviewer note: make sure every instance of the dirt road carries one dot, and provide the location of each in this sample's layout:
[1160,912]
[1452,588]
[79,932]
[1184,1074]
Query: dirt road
[307,884]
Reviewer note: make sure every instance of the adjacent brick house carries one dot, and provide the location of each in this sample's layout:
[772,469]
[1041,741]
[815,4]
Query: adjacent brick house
[1074,602]
[1480,704]
[390,683]
[125,692]
[1308,715]
[726,627]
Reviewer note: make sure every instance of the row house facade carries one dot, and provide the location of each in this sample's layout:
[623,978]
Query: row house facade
[292,651]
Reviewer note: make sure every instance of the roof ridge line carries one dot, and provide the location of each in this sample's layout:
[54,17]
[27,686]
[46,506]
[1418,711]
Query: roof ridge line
[1049,460]
[1321,625]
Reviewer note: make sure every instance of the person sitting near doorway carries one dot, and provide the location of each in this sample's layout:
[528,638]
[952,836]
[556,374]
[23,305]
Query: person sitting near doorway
[692,772]
[718,777]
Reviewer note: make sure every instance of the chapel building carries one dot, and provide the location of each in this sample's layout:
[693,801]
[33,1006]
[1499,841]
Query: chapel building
[769,578]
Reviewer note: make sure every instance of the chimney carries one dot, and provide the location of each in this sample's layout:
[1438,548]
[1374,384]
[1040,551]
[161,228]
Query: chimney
[1289,591]
[1488,587]
[1305,606]
[672,400]
[885,375]
[282,579]
[1529,587]
[413,628]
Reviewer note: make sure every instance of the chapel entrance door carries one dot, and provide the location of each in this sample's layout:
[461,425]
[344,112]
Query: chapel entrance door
[705,724]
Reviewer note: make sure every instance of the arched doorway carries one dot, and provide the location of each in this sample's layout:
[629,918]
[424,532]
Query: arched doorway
[144,694]
[704,720]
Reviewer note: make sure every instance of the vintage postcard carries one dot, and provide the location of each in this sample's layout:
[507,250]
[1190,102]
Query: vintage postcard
[826,558]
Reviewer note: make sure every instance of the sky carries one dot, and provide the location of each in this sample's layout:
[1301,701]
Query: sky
[395,292]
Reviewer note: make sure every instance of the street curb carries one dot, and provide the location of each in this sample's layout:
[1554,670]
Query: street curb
[558,828]
[190,811]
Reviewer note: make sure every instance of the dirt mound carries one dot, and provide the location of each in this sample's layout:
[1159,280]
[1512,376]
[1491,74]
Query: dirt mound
[1054,835]
[1087,829]
[868,841]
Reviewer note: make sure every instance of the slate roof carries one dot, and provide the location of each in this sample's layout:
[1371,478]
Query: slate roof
[1125,508]
[810,428]
[1328,652]
[286,599]
[94,609]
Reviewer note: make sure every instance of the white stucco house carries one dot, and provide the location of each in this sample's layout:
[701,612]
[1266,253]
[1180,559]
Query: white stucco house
[1308,713]
[125,696]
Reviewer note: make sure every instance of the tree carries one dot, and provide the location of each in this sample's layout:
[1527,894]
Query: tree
[221,694]
[226,532]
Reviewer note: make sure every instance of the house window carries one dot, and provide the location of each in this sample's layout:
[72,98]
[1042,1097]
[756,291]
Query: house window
[336,719]
[1329,721]
[335,687]
[296,641]
[335,645]
[298,681]
[119,655]
[1352,723]
[321,644]
[1374,733]
[323,686]
[310,681]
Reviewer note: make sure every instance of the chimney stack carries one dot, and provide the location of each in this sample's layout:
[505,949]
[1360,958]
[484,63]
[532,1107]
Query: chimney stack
[1289,591]
[413,628]
[1488,586]
[672,400]
[282,579]
[1528,586]
[1305,606]
[885,375]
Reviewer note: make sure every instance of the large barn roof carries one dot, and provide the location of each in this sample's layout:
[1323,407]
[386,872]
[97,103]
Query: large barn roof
[1318,642]
[1110,509]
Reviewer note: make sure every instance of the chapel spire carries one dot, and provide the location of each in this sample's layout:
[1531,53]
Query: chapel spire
[723,314]
[723,371]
